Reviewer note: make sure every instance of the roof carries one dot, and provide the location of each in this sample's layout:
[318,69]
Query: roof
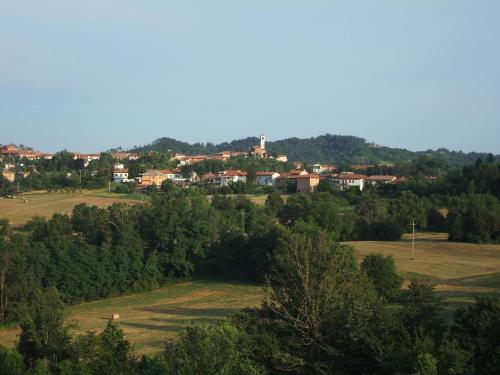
[352,176]
[297,172]
[153,172]
[265,173]
[120,170]
[361,167]
[381,178]
[298,177]
[232,173]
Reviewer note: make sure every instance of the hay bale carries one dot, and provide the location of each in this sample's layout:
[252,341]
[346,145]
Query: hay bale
[115,316]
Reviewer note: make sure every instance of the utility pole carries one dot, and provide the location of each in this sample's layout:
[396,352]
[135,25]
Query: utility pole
[413,240]
[80,178]
[109,187]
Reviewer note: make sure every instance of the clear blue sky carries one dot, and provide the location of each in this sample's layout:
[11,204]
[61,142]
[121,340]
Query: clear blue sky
[89,75]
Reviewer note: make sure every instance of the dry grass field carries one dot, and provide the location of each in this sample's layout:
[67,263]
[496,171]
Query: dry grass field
[459,271]
[149,319]
[25,206]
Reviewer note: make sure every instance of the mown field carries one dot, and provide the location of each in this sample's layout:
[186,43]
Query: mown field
[459,271]
[149,319]
[44,204]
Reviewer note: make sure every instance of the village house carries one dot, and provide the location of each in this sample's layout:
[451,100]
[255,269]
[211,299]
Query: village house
[303,181]
[225,178]
[125,156]
[224,155]
[15,152]
[175,175]
[266,178]
[193,159]
[120,175]
[87,158]
[307,183]
[282,158]
[361,167]
[348,180]
[9,150]
[157,177]
[151,177]
[9,175]
[322,168]
[380,179]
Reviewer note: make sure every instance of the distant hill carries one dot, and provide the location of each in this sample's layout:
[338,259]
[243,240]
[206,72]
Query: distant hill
[323,149]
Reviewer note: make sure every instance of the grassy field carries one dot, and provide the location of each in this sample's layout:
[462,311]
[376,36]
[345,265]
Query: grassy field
[459,271]
[41,203]
[149,319]
[25,206]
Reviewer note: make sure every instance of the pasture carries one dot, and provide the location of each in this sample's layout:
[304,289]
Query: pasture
[148,319]
[44,204]
[459,271]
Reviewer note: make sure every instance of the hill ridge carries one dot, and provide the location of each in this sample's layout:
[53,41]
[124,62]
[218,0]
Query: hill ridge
[326,148]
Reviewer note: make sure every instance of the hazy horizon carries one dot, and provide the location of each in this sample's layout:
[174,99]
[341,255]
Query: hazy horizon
[94,75]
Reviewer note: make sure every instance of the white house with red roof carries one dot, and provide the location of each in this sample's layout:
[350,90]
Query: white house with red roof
[266,178]
[321,168]
[348,180]
[381,179]
[225,178]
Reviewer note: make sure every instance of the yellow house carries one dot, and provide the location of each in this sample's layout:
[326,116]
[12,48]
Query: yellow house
[9,175]
[153,177]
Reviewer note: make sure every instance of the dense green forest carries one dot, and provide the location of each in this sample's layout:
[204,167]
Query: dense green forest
[322,149]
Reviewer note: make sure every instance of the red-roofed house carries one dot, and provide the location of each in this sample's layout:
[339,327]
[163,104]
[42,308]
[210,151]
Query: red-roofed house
[266,178]
[347,180]
[380,179]
[225,178]
[320,168]
[120,175]
[304,183]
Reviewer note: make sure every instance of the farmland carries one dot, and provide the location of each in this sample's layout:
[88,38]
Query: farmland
[44,204]
[459,271]
[149,319]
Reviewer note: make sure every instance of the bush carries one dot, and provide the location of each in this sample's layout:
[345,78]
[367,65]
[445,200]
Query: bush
[388,232]
[382,273]
[125,188]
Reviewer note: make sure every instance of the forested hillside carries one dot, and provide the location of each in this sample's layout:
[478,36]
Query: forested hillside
[323,149]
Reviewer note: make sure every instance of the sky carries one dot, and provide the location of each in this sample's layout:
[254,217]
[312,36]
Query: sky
[90,75]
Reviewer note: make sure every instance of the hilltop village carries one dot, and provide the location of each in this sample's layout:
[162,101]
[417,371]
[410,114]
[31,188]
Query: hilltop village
[150,170]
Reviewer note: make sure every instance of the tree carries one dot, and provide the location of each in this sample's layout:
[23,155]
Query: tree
[43,334]
[321,303]
[473,345]
[212,349]
[426,365]
[407,208]
[474,218]
[113,354]
[371,209]
[382,272]
[11,362]
[274,203]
